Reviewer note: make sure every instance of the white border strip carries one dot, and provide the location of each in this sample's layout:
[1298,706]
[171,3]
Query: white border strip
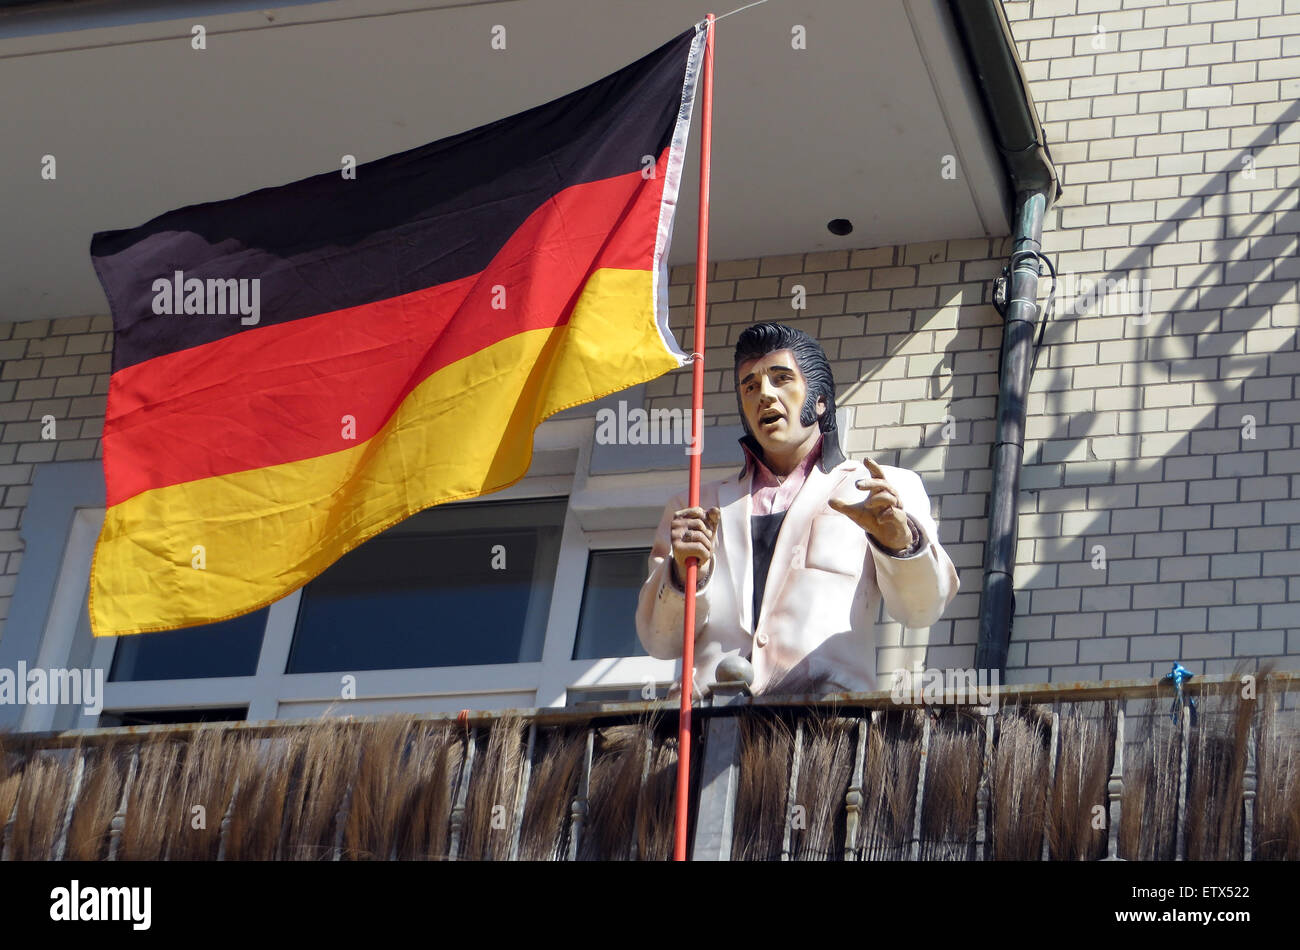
[672,183]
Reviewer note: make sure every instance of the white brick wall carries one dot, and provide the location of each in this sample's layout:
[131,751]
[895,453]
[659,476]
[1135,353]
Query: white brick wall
[1135,430]
[1201,562]
[49,367]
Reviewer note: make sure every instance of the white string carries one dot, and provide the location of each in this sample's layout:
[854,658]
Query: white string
[738,9]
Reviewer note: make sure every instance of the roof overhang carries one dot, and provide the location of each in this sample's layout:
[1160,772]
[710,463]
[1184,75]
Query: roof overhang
[861,124]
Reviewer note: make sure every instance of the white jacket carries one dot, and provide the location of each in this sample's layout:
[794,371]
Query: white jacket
[823,587]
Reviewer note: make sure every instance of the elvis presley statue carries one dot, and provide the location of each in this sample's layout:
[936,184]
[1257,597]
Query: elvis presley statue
[798,548]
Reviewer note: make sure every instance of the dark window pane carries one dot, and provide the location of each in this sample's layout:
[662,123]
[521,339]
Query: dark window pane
[159,717]
[452,586]
[607,623]
[596,696]
[228,648]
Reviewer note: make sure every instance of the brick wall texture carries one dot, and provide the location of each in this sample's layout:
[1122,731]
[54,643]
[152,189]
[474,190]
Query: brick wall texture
[1160,499]
[55,369]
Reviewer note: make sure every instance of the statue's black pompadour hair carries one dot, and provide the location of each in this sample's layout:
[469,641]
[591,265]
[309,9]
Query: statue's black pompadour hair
[764,338]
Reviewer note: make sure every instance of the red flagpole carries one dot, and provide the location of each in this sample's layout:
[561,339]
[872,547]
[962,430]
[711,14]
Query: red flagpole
[697,446]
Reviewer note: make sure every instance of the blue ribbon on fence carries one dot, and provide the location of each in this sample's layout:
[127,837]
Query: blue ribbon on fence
[1178,675]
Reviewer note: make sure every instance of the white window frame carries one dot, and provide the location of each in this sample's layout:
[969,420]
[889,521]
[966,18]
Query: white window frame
[270,693]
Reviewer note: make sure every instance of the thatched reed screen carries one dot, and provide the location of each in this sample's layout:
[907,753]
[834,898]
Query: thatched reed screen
[1055,773]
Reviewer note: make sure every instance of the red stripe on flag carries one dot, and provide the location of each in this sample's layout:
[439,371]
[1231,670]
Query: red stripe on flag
[281,393]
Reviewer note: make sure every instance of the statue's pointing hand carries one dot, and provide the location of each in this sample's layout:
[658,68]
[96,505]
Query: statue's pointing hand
[881,513]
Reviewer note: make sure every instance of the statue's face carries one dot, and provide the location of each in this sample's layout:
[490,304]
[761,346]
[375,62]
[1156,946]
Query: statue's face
[772,394]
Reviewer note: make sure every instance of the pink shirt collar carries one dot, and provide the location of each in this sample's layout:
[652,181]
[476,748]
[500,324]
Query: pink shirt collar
[768,494]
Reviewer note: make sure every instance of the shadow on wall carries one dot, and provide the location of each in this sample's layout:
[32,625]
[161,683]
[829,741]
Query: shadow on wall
[1255,267]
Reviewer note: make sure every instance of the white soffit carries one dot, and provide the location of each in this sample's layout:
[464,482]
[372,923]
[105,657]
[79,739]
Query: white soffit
[856,125]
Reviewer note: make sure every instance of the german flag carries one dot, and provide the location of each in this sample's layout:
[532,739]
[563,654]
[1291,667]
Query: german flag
[299,368]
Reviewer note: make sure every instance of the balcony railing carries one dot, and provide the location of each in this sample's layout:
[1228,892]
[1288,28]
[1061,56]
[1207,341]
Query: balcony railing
[1051,771]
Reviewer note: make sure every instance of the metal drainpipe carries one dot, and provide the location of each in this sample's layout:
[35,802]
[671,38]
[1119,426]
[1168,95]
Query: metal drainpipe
[995,68]
[1008,450]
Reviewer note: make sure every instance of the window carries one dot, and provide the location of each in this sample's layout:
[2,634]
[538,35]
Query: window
[228,648]
[519,600]
[595,697]
[456,585]
[606,624]
[159,717]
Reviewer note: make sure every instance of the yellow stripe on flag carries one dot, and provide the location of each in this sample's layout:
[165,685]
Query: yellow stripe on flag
[465,431]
